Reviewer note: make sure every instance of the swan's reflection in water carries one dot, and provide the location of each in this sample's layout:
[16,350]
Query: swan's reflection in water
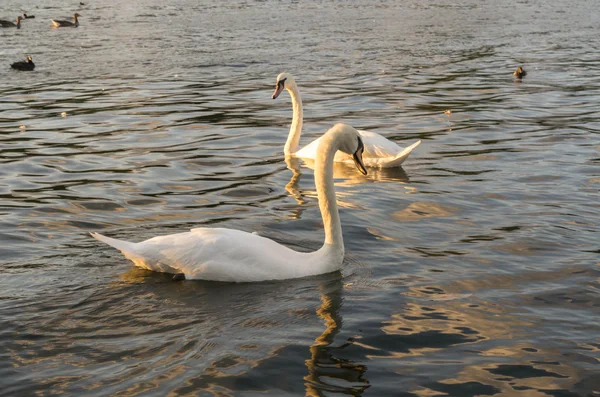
[348,173]
[184,338]
[240,310]
[293,164]
[323,365]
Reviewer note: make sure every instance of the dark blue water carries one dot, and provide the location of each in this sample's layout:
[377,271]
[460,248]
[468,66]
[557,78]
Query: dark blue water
[471,271]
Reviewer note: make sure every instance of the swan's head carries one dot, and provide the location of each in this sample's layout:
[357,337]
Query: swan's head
[29,59]
[350,142]
[284,80]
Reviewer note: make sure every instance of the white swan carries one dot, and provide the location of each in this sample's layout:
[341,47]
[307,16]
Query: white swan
[232,255]
[379,151]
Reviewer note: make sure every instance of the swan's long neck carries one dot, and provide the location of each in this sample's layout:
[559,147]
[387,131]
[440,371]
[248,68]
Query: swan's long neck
[326,194]
[291,146]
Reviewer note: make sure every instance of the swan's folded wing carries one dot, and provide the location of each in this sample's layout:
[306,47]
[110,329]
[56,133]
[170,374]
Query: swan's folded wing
[400,157]
[378,146]
[220,254]
[215,254]
[309,151]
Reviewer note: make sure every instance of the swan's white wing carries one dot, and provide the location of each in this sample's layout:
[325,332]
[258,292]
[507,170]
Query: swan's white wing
[309,151]
[377,145]
[379,151]
[399,158]
[226,255]
[215,254]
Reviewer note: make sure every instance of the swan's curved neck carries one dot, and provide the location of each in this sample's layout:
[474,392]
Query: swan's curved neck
[291,146]
[326,193]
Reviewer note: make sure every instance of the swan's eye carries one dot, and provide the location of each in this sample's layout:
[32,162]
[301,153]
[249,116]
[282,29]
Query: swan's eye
[281,83]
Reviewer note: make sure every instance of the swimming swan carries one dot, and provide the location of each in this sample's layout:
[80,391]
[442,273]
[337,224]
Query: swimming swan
[232,255]
[379,151]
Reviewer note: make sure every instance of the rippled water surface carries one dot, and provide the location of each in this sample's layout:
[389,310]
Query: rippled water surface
[473,270]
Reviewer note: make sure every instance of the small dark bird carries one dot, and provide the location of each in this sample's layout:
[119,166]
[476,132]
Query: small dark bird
[179,277]
[25,16]
[520,72]
[24,65]
[8,24]
[81,3]
[62,24]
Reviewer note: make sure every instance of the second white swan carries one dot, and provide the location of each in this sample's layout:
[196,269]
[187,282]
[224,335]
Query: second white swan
[232,255]
[379,151]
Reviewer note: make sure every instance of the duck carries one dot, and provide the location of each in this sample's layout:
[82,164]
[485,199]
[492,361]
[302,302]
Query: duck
[520,72]
[63,24]
[230,255]
[379,151]
[25,16]
[24,65]
[8,24]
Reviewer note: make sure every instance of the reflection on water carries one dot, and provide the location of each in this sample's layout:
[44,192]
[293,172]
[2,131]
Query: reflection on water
[293,164]
[325,370]
[473,270]
[418,210]
[345,175]
[351,176]
[208,334]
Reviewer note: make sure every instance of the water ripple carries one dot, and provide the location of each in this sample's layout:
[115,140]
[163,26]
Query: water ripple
[471,271]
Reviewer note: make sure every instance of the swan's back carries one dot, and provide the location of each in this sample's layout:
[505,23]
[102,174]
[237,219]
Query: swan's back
[220,255]
[376,146]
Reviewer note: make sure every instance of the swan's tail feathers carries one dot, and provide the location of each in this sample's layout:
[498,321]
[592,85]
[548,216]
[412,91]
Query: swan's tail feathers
[403,155]
[128,249]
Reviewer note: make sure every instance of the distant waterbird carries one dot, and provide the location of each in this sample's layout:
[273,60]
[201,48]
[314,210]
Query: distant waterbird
[64,24]
[24,65]
[520,73]
[8,24]
[25,16]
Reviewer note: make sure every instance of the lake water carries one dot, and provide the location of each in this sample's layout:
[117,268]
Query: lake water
[473,270]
